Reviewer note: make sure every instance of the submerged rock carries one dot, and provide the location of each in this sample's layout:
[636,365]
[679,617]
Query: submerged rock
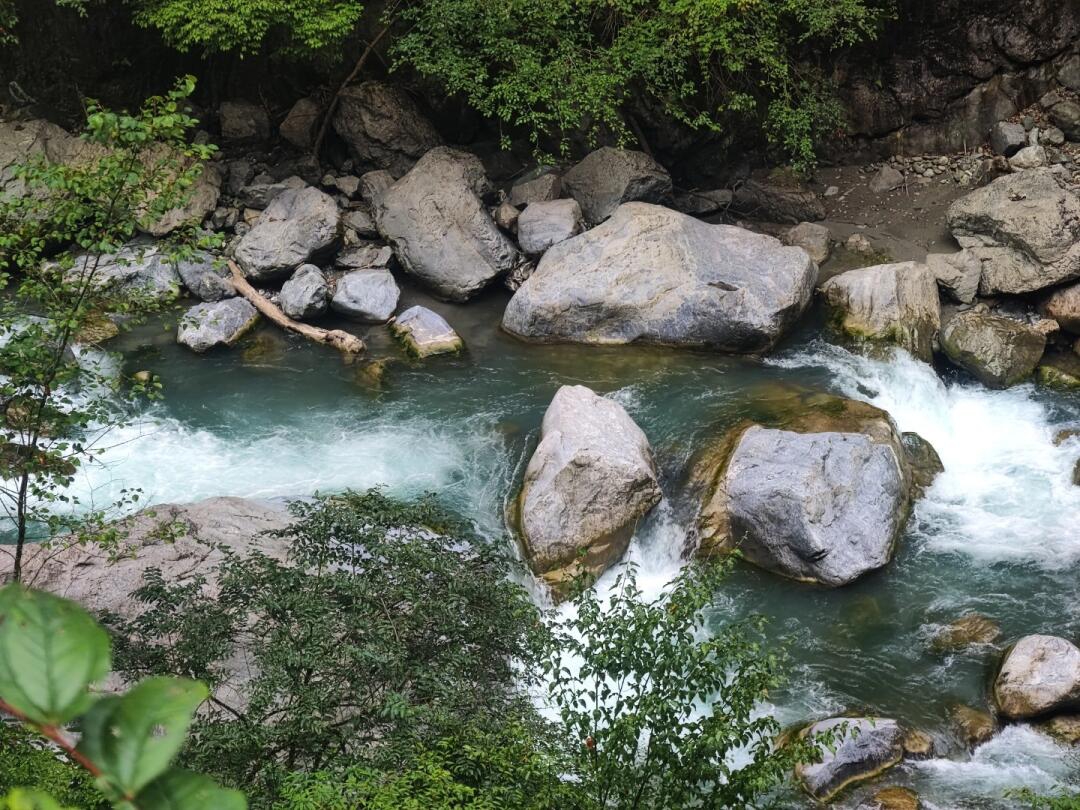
[967,631]
[998,351]
[426,333]
[1040,675]
[544,224]
[973,726]
[368,296]
[652,275]
[892,798]
[382,126]
[222,323]
[441,230]
[867,747]
[305,294]
[299,226]
[820,495]
[609,177]
[889,303]
[590,480]
[1065,728]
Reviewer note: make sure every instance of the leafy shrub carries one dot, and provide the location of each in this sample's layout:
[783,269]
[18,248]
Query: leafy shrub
[26,761]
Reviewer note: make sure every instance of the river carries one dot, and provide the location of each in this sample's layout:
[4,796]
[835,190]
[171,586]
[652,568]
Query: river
[998,533]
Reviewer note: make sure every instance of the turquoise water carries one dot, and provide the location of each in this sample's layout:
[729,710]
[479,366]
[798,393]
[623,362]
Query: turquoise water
[998,533]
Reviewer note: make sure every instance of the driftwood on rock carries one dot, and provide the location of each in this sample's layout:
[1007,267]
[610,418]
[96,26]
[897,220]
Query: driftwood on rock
[339,339]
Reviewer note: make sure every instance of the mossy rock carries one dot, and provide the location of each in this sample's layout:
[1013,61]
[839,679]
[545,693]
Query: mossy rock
[972,726]
[1059,370]
[1065,728]
[893,798]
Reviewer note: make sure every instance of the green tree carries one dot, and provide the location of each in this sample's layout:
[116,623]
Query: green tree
[51,653]
[662,705]
[391,627]
[62,225]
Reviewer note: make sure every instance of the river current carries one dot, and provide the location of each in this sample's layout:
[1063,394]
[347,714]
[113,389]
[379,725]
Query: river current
[998,533]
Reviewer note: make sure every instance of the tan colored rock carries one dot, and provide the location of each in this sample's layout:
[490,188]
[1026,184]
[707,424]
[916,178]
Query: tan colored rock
[893,798]
[1040,675]
[1065,728]
[973,726]
[966,631]
[1063,305]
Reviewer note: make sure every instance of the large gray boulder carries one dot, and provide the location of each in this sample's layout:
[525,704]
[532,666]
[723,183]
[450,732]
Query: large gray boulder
[221,323]
[183,541]
[958,274]
[441,230]
[865,748]
[652,275]
[609,177]
[425,333]
[383,127]
[590,480]
[996,350]
[306,294]
[206,277]
[1007,138]
[20,140]
[888,303]
[818,491]
[1040,675]
[298,226]
[368,296]
[1023,228]
[544,224]
[259,195]
[547,186]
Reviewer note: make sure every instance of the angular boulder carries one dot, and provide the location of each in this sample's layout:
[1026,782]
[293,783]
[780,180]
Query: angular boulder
[441,230]
[888,303]
[865,748]
[1040,675]
[1023,228]
[886,179]
[776,201]
[958,274]
[243,121]
[221,323]
[137,270]
[1063,305]
[368,296]
[201,200]
[590,480]
[425,333]
[305,295]
[1059,369]
[544,224]
[206,277]
[652,275]
[1007,138]
[547,186]
[299,126]
[609,177]
[815,239]
[260,194]
[996,350]
[298,226]
[819,491]
[383,127]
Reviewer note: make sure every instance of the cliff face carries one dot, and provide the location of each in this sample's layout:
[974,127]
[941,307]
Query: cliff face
[954,68]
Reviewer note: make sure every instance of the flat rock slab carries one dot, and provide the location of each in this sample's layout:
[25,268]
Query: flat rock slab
[425,333]
[652,275]
[866,747]
[221,323]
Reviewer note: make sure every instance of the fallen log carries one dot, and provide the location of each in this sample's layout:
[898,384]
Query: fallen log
[339,339]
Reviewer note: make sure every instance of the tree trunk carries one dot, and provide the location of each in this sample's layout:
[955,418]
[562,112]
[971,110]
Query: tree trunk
[342,341]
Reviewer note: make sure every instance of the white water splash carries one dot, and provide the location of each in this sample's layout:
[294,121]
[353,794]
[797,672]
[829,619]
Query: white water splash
[1006,493]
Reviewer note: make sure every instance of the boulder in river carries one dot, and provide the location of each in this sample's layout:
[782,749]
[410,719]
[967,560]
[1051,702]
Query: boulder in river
[298,226]
[1059,369]
[1024,228]
[892,798]
[1040,675]
[425,333]
[221,323]
[609,177]
[139,270]
[972,726]
[1063,305]
[383,127]
[368,296]
[865,748]
[590,480]
[999,351]
[544,224]
[440,229]
[652,275]
[958,274]
[818,493]
[305,295]
[888,303]
[967,631]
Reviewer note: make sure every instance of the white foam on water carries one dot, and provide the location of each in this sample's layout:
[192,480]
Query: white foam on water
[1006,493]
[1017,757]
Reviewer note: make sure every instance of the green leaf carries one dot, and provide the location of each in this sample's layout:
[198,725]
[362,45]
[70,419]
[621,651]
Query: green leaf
[20,799]
[51,650]
[133,738]
[178,789]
